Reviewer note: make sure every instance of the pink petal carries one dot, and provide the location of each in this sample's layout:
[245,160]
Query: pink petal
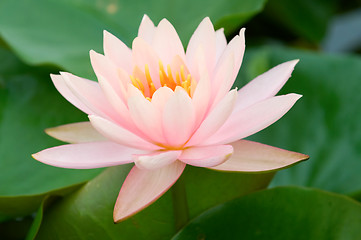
[201,98]
[146,29]
[90,94]
[215,119]
[105,69]
[146,117]
[118,105]
[253,119]
[256,157]
[64,90]
[143,187]
[223,78]
[86,155]
[178,118]
[203,36]
[207,156]
[144,54]
[155,160]
[166,42]
[75,133]
[236,49]
[221,43]
[120,135]
[266,85]
[117,51]
[161,97]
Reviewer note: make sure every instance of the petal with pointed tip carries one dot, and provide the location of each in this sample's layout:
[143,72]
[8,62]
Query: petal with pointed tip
[146,29]
[203,36]
[207,156]
[107,71]
[166,42]
[265,85]
[120,135]
[75,133]
[221,43]
[253,119]
[64,90]
[156,160]
[86,155]
[144,54]
[90,93]
[251,156]
[117,51]
[143,187]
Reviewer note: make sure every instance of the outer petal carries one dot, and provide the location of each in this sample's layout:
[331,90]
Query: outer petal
[166,42]
[86,155]
[178,118]
[266,85]
[106,70]
[203,36]
[146,29]
[64,89]
[208,156]
[75,133]
[256,157]
[143,187]
[90,94]
[253,119]
[215,119]
[120,135]
[156,160]
[117,103]
[117,51]
[221,42]
[223,78]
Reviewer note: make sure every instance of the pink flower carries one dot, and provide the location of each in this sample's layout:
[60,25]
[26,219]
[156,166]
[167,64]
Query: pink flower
[162,108]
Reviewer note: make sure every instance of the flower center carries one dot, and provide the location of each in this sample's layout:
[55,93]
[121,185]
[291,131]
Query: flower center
[143,80]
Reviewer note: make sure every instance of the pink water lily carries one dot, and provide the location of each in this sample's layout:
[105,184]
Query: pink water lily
[162,108]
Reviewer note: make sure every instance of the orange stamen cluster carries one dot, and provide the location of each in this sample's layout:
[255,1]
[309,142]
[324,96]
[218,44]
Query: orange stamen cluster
[182,79]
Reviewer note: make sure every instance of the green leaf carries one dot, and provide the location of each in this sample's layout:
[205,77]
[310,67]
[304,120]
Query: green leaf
[279,213]
[324,123]
[28,105]
[87,214]
[64,31]
[304,18]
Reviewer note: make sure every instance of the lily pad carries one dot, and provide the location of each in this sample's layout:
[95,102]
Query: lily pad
[87,214]
[28,105]
[279,213]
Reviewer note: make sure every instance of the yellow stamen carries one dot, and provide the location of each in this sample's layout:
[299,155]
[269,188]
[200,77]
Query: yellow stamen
[182,73]
[144,82]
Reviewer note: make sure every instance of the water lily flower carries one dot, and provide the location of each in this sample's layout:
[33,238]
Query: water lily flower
[162,108]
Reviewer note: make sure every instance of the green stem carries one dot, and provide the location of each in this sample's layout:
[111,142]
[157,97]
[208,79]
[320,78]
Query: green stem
[180,205]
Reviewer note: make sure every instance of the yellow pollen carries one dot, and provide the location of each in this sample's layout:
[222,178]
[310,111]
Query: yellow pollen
[182,78]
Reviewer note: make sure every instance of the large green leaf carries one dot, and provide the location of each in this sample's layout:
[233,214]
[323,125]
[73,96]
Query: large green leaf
[87,214]
[28,105]
[324,123]
[279,213]
[63,32]
[305,18]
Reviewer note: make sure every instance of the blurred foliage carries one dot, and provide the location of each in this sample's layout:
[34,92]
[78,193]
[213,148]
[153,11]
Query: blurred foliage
[45,36]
